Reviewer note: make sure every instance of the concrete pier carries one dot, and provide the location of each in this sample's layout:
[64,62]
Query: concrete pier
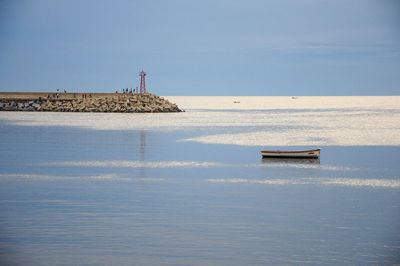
[85,102]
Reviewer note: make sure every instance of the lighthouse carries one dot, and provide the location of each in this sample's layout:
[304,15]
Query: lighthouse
[142,75]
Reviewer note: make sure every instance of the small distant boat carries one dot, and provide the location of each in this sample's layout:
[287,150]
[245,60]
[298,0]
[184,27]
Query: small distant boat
[292,154]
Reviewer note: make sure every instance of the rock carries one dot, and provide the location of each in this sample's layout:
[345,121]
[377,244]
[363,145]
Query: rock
[127,103]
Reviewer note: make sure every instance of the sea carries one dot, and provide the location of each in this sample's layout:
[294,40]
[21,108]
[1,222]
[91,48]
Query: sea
[191,188]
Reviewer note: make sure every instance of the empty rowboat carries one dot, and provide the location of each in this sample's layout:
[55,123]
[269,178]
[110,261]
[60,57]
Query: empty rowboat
[292,154]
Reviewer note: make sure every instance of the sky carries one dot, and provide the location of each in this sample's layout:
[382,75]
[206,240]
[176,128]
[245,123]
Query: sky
[204,47]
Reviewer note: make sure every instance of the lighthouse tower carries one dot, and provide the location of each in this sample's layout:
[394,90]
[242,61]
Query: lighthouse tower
[142,75]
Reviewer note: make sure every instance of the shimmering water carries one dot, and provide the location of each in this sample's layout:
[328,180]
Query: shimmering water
[191,188]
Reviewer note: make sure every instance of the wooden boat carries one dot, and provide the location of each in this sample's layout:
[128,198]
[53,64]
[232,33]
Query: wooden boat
[292,154]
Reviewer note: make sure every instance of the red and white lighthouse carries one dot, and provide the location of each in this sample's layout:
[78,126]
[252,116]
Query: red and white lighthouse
[142,75]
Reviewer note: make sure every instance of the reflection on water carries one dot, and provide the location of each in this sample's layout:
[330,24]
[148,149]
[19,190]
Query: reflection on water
[142,145]
[349,182]
[142,151]
[292,160]
[309,121]
[284,103]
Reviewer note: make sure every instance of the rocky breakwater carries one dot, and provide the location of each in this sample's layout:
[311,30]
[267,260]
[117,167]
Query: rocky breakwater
[111,103]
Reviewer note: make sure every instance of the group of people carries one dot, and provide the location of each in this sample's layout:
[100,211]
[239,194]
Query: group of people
[129,91]
[58,90]
[84,96]
[57,95]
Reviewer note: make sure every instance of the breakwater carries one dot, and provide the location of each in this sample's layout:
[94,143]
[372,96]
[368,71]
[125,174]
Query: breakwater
[86,102]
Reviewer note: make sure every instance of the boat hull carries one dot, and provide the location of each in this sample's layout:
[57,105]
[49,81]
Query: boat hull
[292,154]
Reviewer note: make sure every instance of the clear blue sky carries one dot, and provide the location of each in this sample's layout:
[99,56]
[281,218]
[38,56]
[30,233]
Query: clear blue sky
[204,47]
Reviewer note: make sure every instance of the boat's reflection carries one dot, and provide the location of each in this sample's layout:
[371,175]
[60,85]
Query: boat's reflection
[292,160]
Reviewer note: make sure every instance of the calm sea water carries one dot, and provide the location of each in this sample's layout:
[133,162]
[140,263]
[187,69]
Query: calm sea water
[191,188]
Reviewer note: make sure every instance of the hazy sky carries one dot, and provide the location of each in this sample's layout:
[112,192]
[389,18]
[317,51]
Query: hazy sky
[203,47]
